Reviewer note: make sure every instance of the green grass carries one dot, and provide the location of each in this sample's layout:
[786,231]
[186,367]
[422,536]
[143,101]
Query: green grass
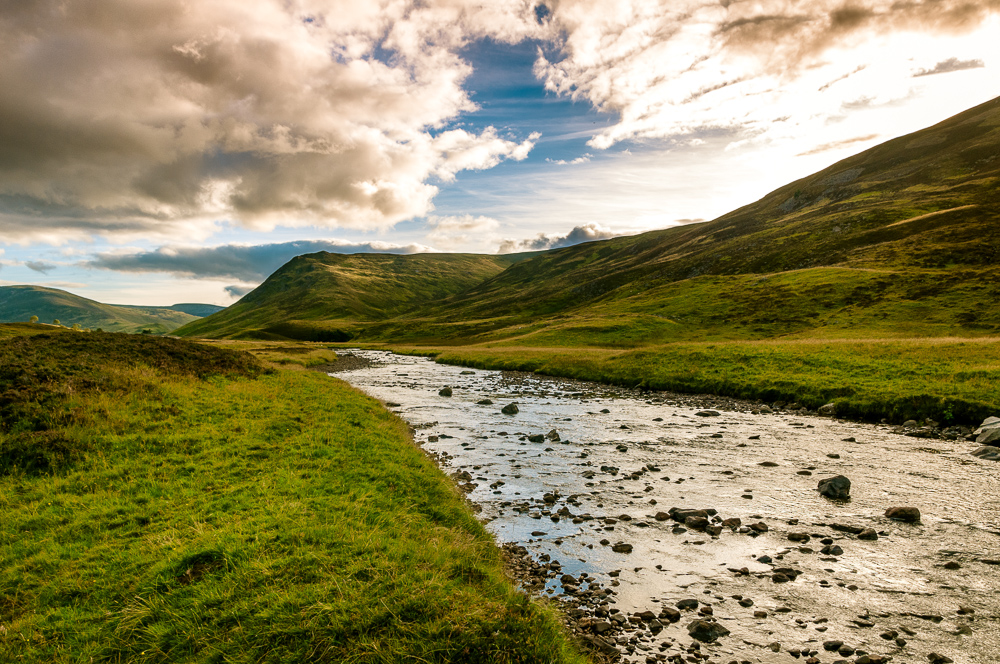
[949,380]
[214,511]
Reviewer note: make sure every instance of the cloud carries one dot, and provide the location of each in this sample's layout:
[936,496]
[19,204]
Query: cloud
[161,117]
[451,232]
[671,68]
[543,241]
[251,263]
[583,159]
[39,266]
[237,291]
[950,65]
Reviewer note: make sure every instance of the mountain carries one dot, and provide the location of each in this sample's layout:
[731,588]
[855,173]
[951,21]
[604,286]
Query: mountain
[20,303]
[900,240]
[197,309]
[323,296]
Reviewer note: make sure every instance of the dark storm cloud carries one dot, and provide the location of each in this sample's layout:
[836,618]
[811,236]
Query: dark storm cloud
[247,263]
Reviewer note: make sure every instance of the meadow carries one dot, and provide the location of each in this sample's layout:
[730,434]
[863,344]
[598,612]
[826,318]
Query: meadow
[166,501]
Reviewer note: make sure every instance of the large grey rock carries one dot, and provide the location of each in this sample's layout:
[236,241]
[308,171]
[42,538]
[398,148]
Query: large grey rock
[509,409]
[988,423]
[837,487]
[989,437]
[988,453]
[828,410]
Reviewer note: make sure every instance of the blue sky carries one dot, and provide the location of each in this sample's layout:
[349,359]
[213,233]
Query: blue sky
[161,153]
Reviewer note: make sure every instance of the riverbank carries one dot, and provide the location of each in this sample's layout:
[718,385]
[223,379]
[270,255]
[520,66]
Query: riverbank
[169,501]
[951,381]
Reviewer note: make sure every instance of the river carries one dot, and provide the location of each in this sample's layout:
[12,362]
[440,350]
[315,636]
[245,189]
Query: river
[610,465]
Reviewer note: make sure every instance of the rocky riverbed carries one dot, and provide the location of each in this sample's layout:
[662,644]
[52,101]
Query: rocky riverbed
[677,528]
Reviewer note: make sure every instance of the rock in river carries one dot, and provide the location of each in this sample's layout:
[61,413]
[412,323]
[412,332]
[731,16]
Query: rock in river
[509,409]
[445,391]
[622,547]
[706,631]
[837,487]
[907,514]
[987,452]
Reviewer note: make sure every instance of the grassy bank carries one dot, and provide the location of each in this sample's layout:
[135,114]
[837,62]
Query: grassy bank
[167,502]
[949,380]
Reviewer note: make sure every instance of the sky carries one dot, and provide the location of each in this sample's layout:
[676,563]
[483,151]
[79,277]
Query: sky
[163,151]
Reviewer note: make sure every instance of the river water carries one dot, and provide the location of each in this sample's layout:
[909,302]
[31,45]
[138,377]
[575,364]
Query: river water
[616,458]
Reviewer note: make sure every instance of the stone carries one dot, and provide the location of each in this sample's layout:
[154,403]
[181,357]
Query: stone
[553,435]
[760,614]
[670,614]
[714,531]
[905,514]
[988,424]
[798,537]
[828,410]
[832,646]
[732,523]
[868,534]
[662,516]
[536,438]
[696,522]
[622,547]
[836,488]
[509,409]
[445,392]
[939,659]
[687,604]
[704,630]
[707,413]
[988,453]
[989,437]
[485,402]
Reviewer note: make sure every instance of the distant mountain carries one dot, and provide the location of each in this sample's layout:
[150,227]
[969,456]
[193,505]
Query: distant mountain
[318,296]
[20,303]
[902,239]
[196,309]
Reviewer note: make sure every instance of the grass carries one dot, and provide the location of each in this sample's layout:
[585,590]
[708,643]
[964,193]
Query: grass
[212,510]
[953,381]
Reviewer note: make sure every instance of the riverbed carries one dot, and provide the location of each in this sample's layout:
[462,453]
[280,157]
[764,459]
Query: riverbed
[585,477]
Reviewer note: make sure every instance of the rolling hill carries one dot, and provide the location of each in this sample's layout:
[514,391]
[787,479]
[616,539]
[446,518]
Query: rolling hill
[324,296]
[900,240]
[20,303]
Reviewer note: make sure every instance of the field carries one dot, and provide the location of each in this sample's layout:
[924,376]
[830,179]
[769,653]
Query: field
[166,501]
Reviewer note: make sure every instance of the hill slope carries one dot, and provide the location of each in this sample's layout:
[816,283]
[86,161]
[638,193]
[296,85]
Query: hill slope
[20,303]
[322,296]
[902,239]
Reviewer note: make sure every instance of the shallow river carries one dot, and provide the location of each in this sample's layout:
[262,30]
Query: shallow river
[616,458]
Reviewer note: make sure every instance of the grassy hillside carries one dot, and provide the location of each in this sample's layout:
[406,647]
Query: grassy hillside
[322,296]
[20,303]
[901,239]
[167,502]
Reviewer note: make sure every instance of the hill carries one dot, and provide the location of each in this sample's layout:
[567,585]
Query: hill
[197,309]
[324,296]
[900,240]
[20,303]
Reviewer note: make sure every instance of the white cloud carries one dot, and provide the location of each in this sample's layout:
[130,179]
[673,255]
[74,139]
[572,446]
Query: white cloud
[771,70]
[461,231]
